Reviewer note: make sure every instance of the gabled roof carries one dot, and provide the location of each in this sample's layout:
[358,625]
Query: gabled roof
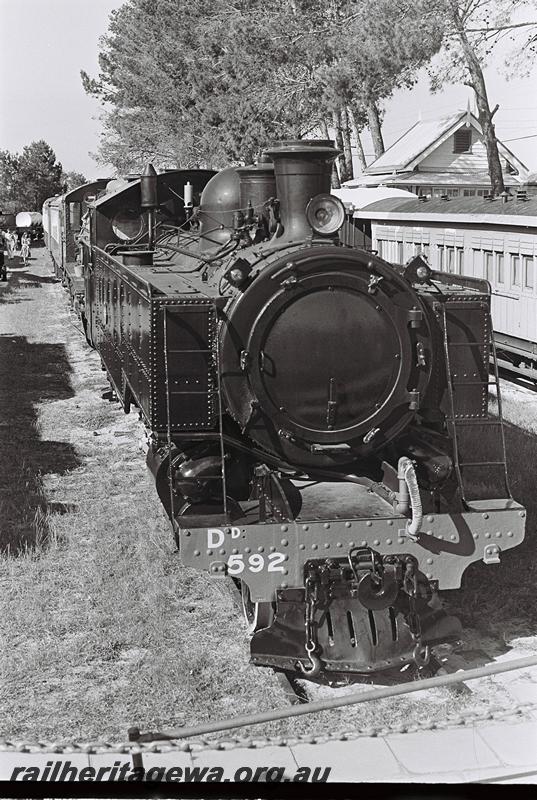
[423,138]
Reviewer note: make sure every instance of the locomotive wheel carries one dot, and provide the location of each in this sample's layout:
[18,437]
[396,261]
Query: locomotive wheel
[257,615]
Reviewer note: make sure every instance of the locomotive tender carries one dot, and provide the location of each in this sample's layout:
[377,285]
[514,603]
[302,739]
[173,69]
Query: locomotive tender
[318,417]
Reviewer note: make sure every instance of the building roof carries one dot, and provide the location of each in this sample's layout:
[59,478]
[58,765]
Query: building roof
[449,179]
[423,138]
[473,210]
[360,196]
[413,143]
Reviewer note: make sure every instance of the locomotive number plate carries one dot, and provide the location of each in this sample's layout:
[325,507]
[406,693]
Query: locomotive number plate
[256,563]
[238,562]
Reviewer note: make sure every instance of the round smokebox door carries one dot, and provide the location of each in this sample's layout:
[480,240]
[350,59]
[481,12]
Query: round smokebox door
[328,360]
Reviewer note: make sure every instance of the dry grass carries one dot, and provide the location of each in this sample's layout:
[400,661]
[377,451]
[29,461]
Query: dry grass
[102,625]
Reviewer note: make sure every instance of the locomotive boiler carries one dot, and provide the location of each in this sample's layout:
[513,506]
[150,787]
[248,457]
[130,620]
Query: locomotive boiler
[319,419]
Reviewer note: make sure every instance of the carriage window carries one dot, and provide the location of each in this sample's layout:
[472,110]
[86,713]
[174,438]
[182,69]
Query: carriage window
[409,250]
[424,250]
[74,216]
[459,251]
[400,258]
[450,253]
[441,257]
[477,261]
[528,272]
[489,263]
[469,193]
[499,267]
[380,247]
[515,270]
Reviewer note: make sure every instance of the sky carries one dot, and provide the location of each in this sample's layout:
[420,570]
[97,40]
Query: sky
[45,44]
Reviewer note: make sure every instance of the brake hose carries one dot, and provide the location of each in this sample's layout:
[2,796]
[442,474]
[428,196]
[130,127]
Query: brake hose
[408,473]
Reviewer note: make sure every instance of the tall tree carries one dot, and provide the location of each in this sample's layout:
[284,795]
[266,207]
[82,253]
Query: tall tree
[360,66]
[29,178]
[185,83]
[209,82]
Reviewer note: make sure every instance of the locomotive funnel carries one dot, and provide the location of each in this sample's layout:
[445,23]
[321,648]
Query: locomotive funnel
[303,169]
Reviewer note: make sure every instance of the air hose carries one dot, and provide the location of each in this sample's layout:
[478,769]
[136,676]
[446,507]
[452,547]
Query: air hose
[409,490]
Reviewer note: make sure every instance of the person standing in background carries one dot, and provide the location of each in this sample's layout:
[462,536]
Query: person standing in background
[25,248]
[3,268]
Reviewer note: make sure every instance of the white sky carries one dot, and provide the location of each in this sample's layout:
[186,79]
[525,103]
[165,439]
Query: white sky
[45,44]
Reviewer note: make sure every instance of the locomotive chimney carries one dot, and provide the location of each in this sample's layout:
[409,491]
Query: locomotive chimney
[303,169]
[149,200]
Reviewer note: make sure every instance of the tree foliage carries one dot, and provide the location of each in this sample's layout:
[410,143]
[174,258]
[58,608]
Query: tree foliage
[26,180]
[71,180]
[213,81]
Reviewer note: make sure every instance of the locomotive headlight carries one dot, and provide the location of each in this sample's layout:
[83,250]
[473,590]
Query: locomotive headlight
[325,214]
[423,272]
[238,272]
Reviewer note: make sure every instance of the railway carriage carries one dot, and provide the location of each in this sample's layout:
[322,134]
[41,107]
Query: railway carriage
[63,217]
[318,417]
[492,239]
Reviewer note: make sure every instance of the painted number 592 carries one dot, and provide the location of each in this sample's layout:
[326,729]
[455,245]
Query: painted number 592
[255,563]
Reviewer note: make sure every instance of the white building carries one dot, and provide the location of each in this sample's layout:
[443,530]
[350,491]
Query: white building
[442,156]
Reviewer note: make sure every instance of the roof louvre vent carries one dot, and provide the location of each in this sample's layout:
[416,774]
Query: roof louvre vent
[422,198]
[444,197]
[505,197]
[522,195]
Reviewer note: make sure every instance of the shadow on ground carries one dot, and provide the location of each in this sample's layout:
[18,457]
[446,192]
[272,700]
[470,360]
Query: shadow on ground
[29,374]
[501,599]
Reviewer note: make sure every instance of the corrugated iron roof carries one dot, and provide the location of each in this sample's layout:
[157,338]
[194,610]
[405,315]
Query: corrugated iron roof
[450,179]
[456,205]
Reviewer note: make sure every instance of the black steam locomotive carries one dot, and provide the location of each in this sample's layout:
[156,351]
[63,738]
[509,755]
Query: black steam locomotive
[319,418]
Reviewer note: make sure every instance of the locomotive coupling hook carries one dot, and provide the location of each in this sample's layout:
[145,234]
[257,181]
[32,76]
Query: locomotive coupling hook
[421,655]
[315,661]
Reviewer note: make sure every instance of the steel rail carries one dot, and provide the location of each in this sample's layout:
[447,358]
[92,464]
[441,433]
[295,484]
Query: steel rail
[337,702]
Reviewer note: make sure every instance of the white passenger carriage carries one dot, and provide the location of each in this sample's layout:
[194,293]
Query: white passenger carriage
[483,238]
